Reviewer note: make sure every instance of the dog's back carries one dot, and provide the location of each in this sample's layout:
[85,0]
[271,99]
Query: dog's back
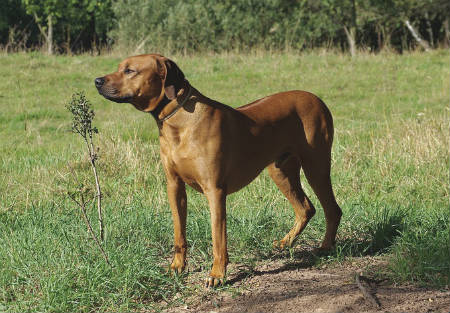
[302,111]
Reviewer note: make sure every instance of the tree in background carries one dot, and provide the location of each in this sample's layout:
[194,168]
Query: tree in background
[140,23]
[68,23]
[135,26]
[424,20]
[16,26]
[341,14]
[45,13]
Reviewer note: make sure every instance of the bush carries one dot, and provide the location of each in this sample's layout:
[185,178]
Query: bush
[202,25]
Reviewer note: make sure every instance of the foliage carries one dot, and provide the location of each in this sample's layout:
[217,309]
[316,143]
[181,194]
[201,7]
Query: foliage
[78,24]
[273,24]
[15,25]
[82,116]
[136,26]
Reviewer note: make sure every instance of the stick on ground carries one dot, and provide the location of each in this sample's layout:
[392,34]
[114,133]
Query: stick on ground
[365,292]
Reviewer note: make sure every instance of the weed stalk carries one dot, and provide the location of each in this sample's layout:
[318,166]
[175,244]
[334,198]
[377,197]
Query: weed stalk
[82,116]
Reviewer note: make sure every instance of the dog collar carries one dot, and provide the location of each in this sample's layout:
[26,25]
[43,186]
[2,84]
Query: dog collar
[179,106]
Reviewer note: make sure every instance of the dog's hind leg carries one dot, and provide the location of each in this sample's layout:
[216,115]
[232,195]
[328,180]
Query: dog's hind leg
[287,177]
[317,171]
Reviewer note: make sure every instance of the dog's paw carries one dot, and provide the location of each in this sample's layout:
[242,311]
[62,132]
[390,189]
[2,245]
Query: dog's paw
[176,271]
[322,251]
[279,244]
[212,282]
[177,268]
[328,245]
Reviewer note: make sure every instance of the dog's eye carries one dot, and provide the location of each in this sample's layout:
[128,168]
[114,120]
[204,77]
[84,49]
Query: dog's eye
[128,71]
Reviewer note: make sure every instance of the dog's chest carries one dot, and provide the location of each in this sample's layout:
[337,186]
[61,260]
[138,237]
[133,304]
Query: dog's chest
[184,157]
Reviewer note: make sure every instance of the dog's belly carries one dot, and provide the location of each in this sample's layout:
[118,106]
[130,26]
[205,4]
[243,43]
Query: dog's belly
[239,180]
[251,160]
[250,169]
[234,175]
[253,150]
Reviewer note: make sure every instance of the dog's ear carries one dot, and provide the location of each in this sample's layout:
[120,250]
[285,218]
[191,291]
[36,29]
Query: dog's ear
[173,81]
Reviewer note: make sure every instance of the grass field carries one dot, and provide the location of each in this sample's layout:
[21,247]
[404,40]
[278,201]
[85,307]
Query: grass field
[390,173]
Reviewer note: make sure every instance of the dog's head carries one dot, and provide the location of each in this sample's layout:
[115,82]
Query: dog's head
[143,81]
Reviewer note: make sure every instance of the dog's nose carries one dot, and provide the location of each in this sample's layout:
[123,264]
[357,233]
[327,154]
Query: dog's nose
[99,81]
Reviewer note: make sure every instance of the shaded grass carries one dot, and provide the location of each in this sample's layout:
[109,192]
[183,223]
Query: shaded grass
[390,172]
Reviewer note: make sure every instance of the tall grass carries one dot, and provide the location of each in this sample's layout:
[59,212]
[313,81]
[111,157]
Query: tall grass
[390,172]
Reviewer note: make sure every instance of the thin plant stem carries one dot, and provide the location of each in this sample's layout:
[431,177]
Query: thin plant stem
[82,116]
[93,158]
[82,205]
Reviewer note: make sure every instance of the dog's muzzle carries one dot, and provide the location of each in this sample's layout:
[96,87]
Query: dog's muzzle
[109,92]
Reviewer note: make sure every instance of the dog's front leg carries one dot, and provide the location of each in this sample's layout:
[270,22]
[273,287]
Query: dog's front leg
[217,204]
[176,191]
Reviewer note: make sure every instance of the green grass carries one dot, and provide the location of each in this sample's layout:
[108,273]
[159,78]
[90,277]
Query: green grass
[390,173]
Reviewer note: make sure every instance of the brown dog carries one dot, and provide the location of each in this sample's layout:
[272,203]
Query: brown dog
[218,150]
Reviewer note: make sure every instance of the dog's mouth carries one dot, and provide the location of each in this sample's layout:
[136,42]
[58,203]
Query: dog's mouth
[122,99]
[111,94]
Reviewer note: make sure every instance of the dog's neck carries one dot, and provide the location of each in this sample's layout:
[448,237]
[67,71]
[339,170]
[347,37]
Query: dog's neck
[166,108]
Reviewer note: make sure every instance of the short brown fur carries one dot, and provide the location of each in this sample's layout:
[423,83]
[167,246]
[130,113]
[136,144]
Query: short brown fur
[218,150]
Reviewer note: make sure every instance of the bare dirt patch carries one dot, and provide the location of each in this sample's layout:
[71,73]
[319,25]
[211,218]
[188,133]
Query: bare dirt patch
[296,286]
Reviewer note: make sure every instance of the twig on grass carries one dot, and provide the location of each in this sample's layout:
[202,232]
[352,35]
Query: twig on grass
[82,205]
[365,292]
